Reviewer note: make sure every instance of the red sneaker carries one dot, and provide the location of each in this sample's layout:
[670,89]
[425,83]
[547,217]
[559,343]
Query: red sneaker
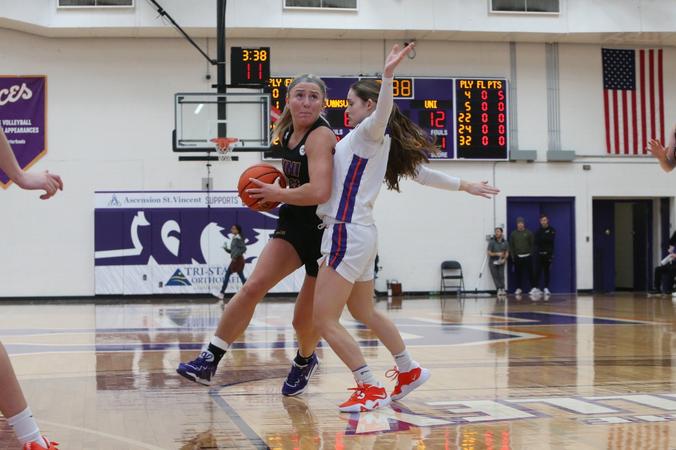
[366,397]
[407,381]
[35,446]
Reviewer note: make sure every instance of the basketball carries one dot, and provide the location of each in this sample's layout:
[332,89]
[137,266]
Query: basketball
[265,173]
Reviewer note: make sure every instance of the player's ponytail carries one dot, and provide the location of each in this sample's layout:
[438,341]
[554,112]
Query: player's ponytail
[285,121]
[410,145]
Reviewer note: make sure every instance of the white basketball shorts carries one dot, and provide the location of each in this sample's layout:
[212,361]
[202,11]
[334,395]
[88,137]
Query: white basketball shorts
[350,249]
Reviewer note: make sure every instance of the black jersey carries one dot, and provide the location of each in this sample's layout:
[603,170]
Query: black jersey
[297,171]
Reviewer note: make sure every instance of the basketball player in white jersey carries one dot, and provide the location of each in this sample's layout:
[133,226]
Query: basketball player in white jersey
[13,404]
[362,160]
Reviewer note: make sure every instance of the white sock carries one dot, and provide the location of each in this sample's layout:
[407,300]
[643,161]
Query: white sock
[25,428]
[365,376]
[404,362]
[220,343]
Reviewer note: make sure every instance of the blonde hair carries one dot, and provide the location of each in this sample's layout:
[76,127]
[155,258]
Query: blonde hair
[285,121]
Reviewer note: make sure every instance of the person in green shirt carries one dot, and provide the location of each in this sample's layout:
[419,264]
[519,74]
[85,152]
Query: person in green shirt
[237,262]
[521,248]
[498,252]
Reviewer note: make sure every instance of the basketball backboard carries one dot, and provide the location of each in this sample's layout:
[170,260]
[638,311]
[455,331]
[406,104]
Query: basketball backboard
[202,117]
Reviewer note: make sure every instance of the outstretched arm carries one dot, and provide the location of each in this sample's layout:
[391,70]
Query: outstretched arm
[434,178]
[50,183]
[375,126]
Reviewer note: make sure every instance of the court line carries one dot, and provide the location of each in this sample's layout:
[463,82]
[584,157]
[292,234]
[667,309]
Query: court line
[102,433]
[628,321]
[244,427]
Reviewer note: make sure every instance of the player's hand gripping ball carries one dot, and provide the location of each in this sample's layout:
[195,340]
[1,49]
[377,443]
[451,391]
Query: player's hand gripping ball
[264,173]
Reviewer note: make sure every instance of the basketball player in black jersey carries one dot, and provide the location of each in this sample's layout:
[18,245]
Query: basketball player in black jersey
[306,145]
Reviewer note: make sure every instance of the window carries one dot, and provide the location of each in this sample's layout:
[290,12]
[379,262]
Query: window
[525,6]
[321,4]
[96,3]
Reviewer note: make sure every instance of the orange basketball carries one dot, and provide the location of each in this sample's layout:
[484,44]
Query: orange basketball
[265,173]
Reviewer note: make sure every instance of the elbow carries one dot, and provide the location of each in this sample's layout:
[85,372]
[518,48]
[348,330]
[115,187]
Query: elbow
[323,196]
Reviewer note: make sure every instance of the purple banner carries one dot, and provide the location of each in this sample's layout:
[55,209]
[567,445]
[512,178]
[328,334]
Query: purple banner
[23,117]
[172,242]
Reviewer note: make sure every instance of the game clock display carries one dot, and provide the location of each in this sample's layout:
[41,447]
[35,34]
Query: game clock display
[249,66]
[467,117]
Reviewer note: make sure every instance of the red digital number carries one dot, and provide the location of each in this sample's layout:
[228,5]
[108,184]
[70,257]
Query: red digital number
[501,106]
[484,141]
[501,129]
[484,118]
[484,129]
[346,120]
[484,106]
[484,95]
[501,118]
[501,140]
[437,119]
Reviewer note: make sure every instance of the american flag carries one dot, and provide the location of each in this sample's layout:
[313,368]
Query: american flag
[633,99]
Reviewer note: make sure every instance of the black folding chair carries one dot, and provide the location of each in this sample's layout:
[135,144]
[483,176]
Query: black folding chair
[452,278]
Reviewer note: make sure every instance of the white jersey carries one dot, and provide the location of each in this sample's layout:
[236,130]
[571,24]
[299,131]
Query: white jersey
[359,166]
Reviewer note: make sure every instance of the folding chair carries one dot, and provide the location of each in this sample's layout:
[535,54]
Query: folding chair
[451,277]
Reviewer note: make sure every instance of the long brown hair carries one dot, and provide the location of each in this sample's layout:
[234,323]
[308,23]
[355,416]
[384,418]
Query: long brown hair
[285,120]
[410,145]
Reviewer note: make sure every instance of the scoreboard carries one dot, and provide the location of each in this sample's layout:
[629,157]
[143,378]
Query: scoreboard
[249,66]
[467,117]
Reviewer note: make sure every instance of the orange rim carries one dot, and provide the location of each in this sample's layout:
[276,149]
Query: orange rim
[224,143]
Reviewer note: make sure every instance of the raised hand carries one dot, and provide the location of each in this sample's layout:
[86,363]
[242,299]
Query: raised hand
[481,189]
[395,57]
[656,148]
[46,181]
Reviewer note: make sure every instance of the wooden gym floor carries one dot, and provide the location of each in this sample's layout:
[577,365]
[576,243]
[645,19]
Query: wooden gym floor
[568,372]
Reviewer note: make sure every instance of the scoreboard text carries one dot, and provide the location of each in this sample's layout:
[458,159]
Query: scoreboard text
[249,66]
[466,117]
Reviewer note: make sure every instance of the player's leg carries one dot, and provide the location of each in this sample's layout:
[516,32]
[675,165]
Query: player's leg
[277,260]
[408,373]
[14,407]
[331,295]
[305,363]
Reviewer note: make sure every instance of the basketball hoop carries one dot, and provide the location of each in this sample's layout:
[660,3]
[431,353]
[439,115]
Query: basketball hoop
[223,146]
